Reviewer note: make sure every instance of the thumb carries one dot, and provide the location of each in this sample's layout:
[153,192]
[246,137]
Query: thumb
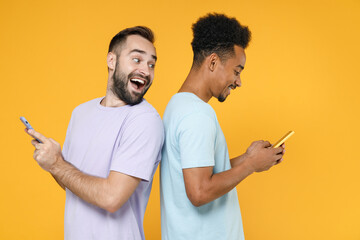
[36,135]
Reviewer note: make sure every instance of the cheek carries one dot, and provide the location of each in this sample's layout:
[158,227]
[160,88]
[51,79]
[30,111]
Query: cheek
[227,79]
[151,76]
[127,66]
[231,77]
[222,80]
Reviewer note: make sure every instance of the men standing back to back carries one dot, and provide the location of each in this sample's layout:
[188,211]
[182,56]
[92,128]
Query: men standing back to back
[198,195]
[112,147]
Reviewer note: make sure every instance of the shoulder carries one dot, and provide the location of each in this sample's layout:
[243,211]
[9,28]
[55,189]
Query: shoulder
[185,105]
[145,117]
[143,107]
[87,105]
[143,110]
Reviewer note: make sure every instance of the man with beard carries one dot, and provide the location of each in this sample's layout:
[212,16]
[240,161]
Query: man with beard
[112,147]
[198,195]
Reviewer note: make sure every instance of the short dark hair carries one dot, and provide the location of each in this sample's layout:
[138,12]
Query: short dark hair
[119,38]
[217,33]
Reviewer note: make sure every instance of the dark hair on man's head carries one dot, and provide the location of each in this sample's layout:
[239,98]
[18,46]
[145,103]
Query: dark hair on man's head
[119,38]
[217,33]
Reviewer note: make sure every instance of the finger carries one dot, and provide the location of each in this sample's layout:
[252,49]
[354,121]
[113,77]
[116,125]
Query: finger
[37,146]
[53,141]
[34,142]
[266,144]
[275,151]
[37,135]
[283,146]
[35,155]
[27,130]
[277,157]
[278,150]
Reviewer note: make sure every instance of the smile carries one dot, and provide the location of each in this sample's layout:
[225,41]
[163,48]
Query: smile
[138,83]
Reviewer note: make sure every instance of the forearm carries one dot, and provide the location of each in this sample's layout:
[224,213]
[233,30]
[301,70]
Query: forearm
[89,188]
[110,193]
[223,182]
[202,186]
[58,182]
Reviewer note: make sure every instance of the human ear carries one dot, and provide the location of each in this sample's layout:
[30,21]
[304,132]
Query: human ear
[213,61]
[111,60]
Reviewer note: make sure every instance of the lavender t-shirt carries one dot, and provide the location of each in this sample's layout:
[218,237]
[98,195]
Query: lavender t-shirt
[101,139]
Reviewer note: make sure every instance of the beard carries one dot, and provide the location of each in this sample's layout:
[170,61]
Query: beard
[223,95]
[221,98]
[120,87]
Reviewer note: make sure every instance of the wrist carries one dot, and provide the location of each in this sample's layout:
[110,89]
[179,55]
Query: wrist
[247,163]
[56,166]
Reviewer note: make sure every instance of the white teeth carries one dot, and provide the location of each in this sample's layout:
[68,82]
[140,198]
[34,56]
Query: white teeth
[230,88]
[138,80]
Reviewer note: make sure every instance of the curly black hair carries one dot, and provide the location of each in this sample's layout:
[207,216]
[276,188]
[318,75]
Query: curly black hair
[217,33]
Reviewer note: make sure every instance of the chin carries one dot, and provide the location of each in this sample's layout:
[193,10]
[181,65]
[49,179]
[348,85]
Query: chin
[135,101]
[221,98]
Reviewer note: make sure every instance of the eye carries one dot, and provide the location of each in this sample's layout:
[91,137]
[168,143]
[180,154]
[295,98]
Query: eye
[137,60]
[237,73]
[152,65]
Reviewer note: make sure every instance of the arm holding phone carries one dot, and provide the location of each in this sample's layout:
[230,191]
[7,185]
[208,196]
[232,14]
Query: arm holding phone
[280,143]
[203,186]
[108,193]
[259,148]
[28,126]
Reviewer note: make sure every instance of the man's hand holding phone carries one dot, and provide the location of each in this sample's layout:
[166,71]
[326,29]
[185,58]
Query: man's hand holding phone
[47,150]
[262,157]
[46,153]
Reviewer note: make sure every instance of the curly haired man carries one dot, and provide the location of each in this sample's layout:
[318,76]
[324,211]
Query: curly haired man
[198,195]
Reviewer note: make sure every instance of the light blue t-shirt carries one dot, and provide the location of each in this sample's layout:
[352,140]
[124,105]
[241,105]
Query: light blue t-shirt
[100,139]
[193,138]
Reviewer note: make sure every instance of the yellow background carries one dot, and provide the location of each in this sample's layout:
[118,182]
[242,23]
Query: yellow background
[302,74]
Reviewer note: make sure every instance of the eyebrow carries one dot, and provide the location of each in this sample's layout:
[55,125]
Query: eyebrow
[142,52]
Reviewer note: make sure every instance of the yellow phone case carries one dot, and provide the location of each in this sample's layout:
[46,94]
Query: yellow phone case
[283,139]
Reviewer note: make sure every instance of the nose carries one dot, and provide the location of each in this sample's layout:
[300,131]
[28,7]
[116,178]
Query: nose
[238,82]
[144,70]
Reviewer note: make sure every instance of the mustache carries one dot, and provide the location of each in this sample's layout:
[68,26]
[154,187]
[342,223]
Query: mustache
[132,75]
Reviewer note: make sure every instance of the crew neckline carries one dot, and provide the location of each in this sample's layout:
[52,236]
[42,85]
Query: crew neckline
[101,107]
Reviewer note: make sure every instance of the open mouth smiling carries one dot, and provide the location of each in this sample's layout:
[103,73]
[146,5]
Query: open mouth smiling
[231,87]
[138,83]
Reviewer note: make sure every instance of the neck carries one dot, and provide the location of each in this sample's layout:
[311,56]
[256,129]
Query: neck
[110,99]
[197,83]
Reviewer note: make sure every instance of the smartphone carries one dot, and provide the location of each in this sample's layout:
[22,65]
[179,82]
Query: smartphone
[283,139]
[28,126]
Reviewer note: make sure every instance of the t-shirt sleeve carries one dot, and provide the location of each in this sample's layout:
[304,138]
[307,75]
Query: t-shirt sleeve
[139,150]
[65,148]
[196,137]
